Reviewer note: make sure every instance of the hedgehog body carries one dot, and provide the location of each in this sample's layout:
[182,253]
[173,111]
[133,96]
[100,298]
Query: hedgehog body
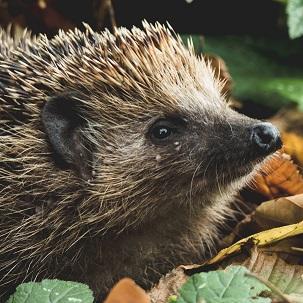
[119,157]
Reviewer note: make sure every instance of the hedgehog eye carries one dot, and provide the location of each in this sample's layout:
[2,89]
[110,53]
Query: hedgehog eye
[162,130]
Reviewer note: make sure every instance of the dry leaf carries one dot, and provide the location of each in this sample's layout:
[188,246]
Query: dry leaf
[127,291]
[280,212]
[290,123]
[280,177]
[271,267]
[269,214]
[168,285]
[290,247]
[260,239]
[289,119]
[263,262]
[293,145]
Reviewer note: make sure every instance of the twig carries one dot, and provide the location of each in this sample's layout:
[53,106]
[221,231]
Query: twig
[297,249]
[111,13]
[105,12]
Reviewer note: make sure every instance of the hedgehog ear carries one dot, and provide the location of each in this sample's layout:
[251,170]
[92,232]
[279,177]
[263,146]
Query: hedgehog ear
[62,122]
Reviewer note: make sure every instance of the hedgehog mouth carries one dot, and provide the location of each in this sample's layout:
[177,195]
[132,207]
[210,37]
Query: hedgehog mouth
[225,172]
[228,172]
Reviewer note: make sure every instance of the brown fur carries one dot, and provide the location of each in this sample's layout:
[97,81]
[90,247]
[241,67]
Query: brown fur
[142,212]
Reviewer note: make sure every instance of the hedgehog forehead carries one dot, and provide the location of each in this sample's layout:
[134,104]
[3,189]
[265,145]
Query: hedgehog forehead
[175,101]
[171,90]
[168,83]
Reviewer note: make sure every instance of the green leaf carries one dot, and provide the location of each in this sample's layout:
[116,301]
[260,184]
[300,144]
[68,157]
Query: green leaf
[294,11]
[52,291]
[231,285]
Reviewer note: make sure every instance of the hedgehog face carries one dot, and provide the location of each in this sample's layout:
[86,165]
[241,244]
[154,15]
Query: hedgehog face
[210,145]
[160,151]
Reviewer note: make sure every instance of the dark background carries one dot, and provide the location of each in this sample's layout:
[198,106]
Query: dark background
[207,17]
[198,17]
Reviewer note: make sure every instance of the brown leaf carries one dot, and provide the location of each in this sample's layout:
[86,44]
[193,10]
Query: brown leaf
[267,215]
[273,268]
[280,212]
[127,291]
[290,123]
[293,145]
[280,177]
[289,120]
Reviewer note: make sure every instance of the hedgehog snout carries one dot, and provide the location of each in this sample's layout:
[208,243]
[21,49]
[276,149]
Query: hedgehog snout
[265,138]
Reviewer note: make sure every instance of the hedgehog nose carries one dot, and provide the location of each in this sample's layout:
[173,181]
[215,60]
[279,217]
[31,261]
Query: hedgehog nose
[266,137]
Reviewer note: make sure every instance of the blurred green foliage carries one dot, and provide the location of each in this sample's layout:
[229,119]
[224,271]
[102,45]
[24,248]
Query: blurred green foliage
[265,70]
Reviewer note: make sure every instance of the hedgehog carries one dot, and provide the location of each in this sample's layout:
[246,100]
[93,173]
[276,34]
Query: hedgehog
[119,156]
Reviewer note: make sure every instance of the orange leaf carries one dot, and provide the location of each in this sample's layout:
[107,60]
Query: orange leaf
[280,177]
[127,291]
[293,145]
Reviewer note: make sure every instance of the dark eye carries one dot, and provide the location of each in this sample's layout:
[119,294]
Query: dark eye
[164,130]
[161,132]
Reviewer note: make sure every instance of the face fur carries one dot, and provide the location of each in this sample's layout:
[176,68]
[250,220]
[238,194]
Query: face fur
[185,152]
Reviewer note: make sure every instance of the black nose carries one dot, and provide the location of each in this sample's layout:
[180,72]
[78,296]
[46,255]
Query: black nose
[266,137]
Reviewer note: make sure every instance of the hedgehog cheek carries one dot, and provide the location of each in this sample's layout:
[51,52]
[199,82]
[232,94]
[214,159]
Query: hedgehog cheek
[63,126]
